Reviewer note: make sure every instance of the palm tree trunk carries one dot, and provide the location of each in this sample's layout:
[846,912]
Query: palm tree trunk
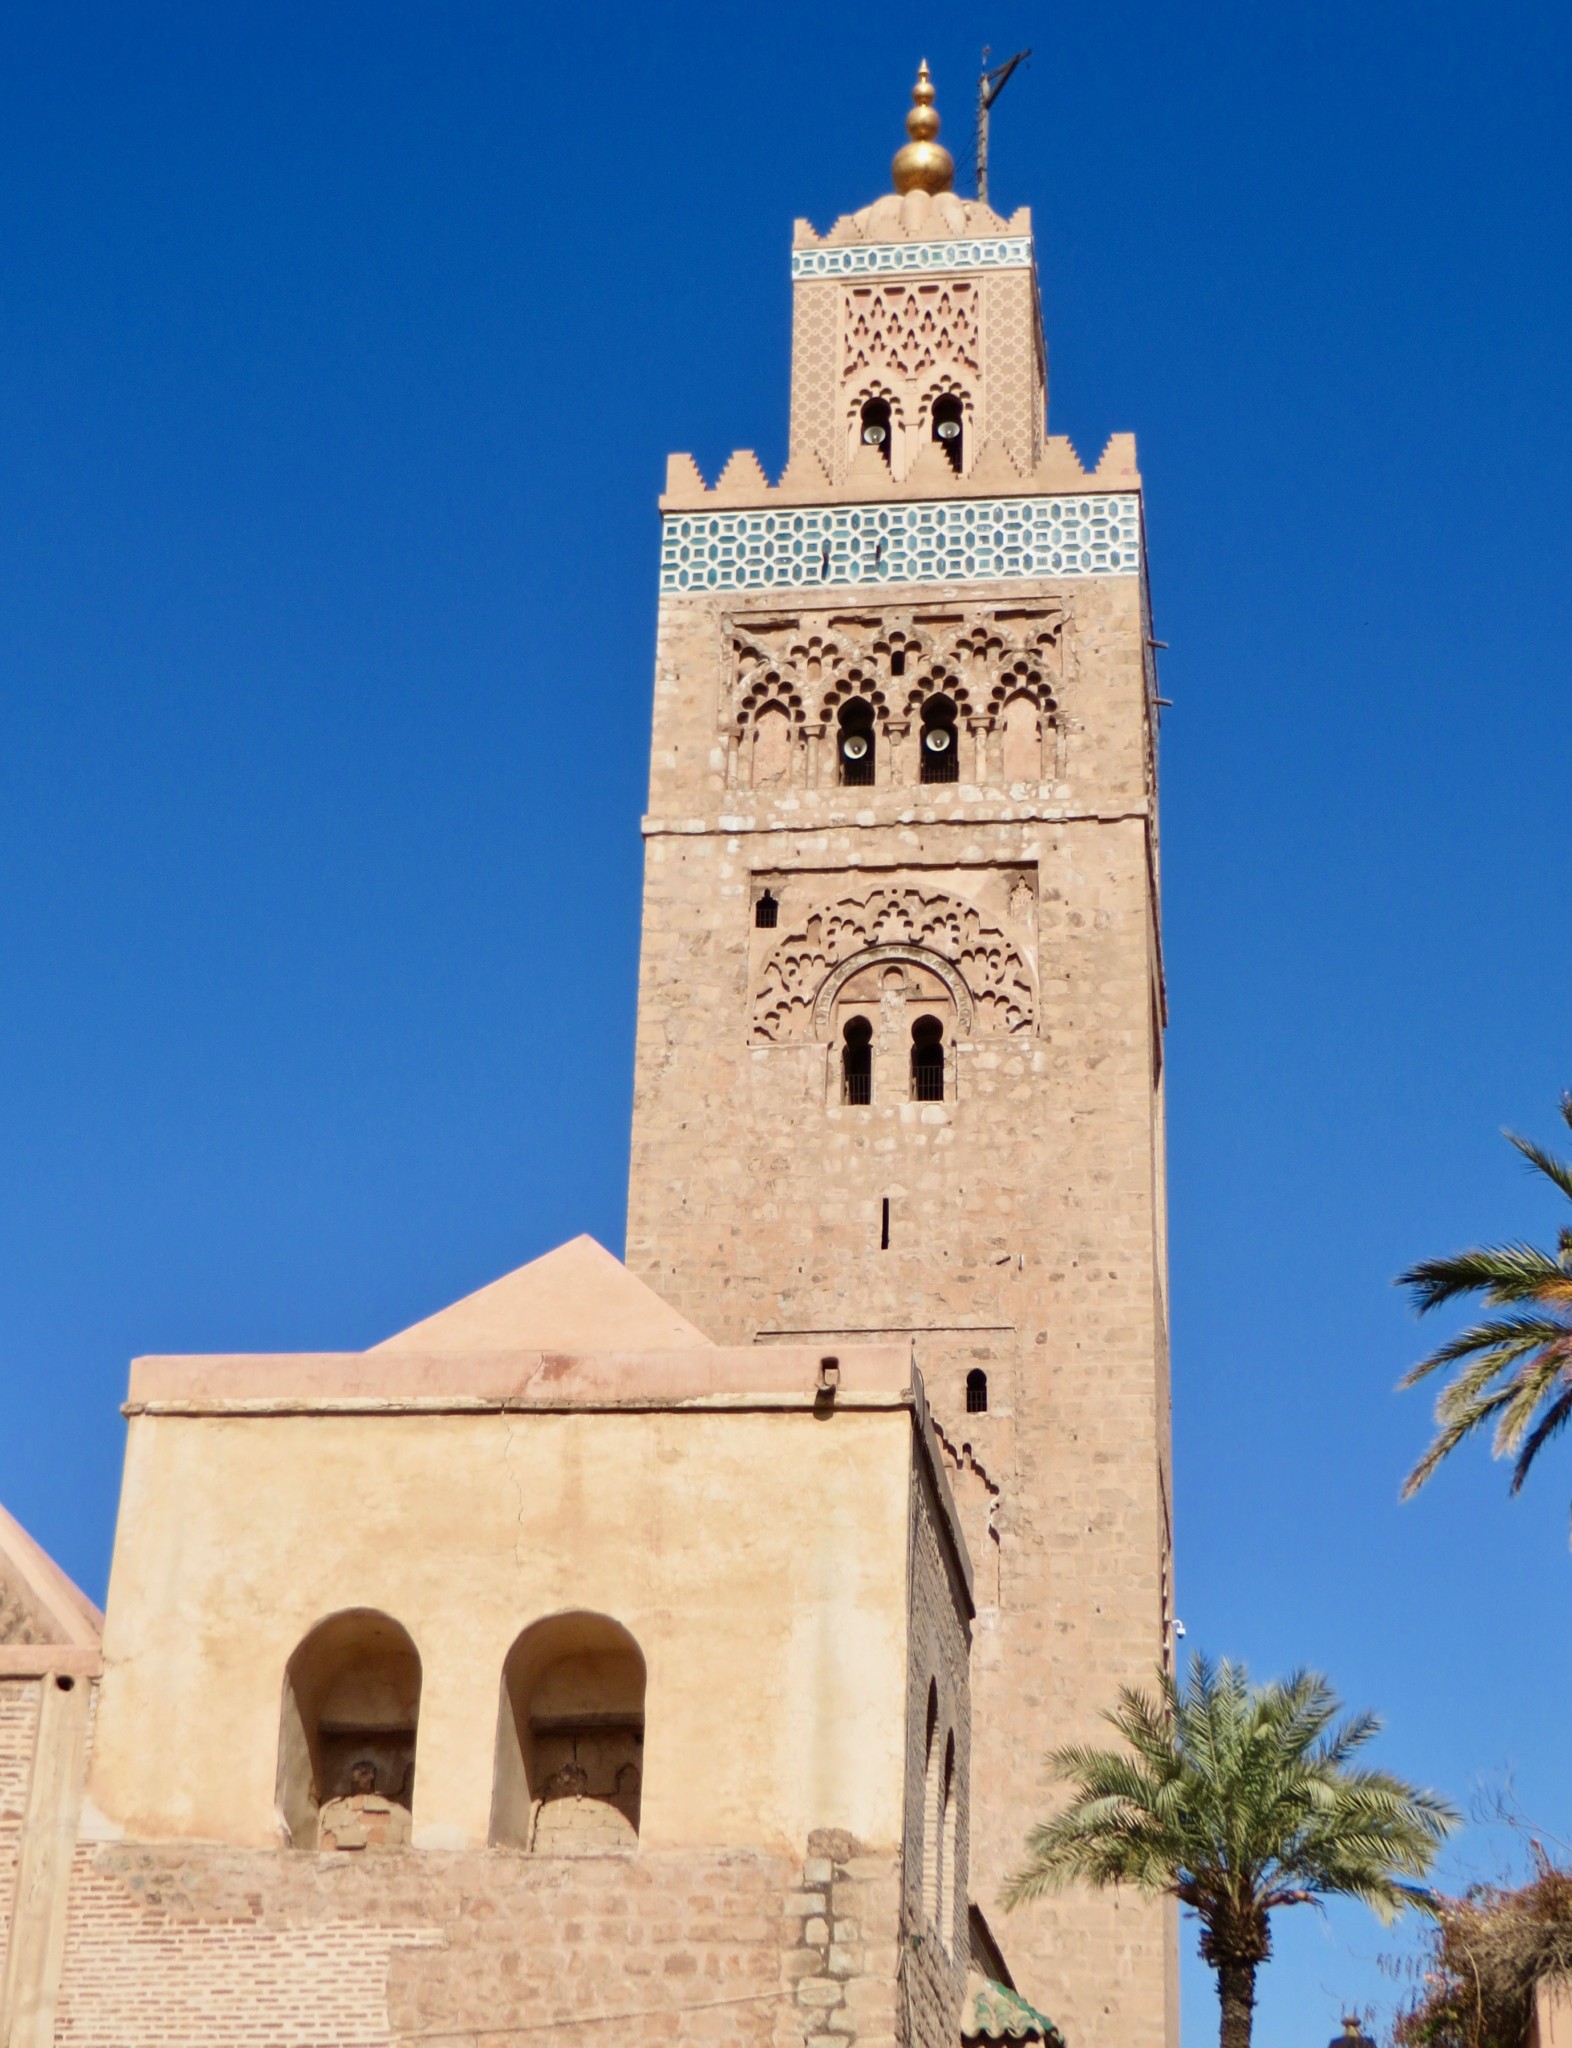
[1236,1993]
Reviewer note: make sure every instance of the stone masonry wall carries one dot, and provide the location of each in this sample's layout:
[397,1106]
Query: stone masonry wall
[18,1732]
[934,1955]
[1025,1210]
[193,1946]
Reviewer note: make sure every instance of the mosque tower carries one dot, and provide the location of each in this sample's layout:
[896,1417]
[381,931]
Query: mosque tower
[901,1008]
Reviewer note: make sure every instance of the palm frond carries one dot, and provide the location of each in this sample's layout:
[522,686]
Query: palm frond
[1236,1799]
[1447,1439]
[1555,1170]
[1501,1272]
[1500,1341]
[1551,1423]
[1536,1380]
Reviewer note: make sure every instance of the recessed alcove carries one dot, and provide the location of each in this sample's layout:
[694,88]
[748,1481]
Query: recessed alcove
[570,1739]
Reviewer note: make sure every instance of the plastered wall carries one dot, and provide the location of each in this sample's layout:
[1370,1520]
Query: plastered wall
[756,1559]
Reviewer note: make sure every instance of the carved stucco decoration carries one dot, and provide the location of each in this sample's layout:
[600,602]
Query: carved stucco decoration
[980,964]
[979,658]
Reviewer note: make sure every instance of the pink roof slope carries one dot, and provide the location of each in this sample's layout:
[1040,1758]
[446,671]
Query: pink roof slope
[578,1298]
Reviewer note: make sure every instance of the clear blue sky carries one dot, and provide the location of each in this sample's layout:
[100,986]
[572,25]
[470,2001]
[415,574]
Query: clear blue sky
[340,352]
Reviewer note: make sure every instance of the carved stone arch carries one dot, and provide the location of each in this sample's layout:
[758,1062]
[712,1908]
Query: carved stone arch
[860,680]
[940,681]
[976,654]
[859,396]
[997,980]
[922,423]
[774,689]
[901,647]
[946,387]
[878,956]
[812,658]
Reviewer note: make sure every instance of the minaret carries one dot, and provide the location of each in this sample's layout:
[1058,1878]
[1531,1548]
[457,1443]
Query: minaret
[899,1066]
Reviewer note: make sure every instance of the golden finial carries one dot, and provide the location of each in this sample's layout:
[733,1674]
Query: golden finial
[923,165]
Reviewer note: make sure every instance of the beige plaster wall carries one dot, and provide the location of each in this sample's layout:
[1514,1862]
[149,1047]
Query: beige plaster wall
[758,1558]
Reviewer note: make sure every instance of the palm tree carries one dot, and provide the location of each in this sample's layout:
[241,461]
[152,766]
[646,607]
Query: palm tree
[1515,1369]
[1235,1799]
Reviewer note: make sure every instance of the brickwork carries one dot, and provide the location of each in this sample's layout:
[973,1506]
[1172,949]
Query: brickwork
[933,1956]
[1015,1227]
[193,1944]
[18,1733]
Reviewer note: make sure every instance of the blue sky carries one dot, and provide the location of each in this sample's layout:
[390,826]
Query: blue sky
[340,353]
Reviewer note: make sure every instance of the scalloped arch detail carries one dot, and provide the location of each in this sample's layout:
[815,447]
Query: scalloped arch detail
[992,982]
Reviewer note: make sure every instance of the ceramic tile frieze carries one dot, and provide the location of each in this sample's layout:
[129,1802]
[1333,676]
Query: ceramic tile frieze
[952,541]
[877,259]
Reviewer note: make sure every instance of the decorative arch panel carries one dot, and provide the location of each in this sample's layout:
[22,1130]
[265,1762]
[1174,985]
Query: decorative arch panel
[983,968]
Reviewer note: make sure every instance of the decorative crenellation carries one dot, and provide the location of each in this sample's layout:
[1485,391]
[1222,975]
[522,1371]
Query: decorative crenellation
[944,541]
[879,259]
[979,963]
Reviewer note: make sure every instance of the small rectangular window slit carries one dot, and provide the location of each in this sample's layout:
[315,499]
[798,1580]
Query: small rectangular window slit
[884,1226]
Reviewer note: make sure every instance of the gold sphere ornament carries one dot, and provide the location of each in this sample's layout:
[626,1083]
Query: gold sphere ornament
[924,164]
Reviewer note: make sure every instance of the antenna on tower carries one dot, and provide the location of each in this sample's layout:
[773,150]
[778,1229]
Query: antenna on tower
[989,87]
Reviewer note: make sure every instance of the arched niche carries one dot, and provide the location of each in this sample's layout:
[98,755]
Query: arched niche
[570,1739]
[1020,743]
[934,964]
[351,1708]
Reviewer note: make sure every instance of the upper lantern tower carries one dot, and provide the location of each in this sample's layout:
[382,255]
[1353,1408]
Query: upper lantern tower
[917,351]
[899,1066]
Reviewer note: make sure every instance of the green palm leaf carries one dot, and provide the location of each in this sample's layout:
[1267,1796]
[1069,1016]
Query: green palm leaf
[1237,1800]
[1512,1373]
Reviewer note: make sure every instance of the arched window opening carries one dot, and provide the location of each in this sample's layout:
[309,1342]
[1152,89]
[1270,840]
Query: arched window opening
[927,1060]
[941,754]
[346,1748]
[947,416]
[977,1391]
[947,1845]
[898,662]
[766,912]
[874,431]
[929,1845]
[570,1739]
[857,1061]
[855,743]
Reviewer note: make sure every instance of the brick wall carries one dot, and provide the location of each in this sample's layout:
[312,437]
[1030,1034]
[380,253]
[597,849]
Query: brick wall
[18,1731]
[192,1946]
[934,1956]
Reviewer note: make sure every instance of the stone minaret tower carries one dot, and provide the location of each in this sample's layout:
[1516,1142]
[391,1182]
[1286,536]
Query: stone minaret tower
[901,998]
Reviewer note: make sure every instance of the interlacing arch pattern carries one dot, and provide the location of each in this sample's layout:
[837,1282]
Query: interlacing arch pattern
[863,395]
[995,974]
[983,667]
[769,687]
[909,330]
[945,387]
[939,682]
[857,682]
[1024,678]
